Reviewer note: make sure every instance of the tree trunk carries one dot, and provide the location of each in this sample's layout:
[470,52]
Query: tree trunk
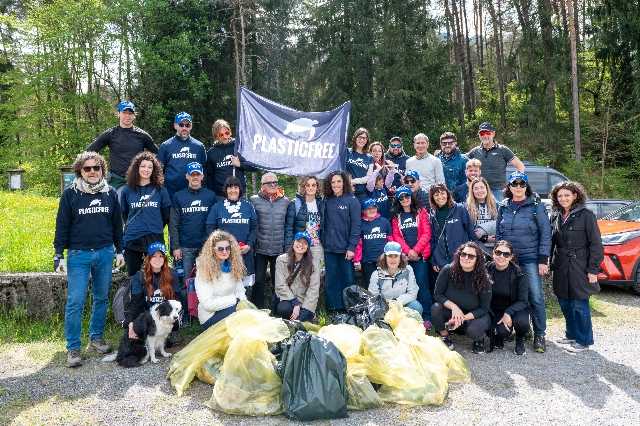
[497,39]
[574,82]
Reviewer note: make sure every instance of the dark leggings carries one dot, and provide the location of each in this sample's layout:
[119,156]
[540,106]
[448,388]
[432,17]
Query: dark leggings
[368,268]
[475,329]
[520,323]
[284,309]
[219,316]
[133,260]
[262,262]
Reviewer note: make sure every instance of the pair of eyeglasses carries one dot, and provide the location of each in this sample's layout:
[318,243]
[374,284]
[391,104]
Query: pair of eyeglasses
[87,169]
[505,254]
[447,142]
[222,249]
[409,181]
[274,183]
[466,255]
[310,185]
[518,184]
[185,125]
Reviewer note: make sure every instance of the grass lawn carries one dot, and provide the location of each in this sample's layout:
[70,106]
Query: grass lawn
[27,226]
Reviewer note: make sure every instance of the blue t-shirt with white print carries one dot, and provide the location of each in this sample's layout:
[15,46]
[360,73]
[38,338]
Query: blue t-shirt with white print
[409,227]
[374,234]
[149,200]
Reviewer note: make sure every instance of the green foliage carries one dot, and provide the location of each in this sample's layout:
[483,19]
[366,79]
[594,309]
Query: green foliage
[27,226]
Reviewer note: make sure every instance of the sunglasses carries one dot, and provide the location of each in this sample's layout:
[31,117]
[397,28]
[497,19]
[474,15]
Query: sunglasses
[395,145]
[274,183]
[465,255]
[505,254]
[485,133]
[404,197]
[224,133]
[409,181]
[518,184]
[222,249]
[87,169]
[185,125]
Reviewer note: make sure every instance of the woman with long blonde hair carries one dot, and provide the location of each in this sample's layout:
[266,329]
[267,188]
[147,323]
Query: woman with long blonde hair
[483,211]
[219,276]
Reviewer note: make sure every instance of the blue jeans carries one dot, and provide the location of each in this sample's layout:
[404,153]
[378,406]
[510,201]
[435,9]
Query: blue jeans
[577,317]
[421,271]
[82,264]
[219,316]
[415,305]
[338,276]
[536,298]
[189,256]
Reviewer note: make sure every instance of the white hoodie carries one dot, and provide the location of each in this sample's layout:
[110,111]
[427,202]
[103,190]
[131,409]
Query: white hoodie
[220,294]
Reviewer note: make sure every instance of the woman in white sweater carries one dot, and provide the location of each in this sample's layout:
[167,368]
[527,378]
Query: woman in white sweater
[219,275]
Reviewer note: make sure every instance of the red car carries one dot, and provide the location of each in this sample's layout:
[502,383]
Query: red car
[621,239]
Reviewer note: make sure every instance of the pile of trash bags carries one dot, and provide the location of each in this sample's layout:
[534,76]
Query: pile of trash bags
[260,365]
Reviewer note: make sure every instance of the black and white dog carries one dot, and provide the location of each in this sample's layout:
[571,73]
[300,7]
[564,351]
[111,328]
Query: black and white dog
[153,328]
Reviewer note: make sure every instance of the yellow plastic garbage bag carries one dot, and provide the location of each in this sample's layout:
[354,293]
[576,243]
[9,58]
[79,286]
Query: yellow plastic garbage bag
[248,383]
[347,339]
[250,324]
[210,370]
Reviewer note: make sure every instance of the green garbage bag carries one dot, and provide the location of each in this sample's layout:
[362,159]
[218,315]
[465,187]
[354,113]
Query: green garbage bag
[248,382]
[313,379]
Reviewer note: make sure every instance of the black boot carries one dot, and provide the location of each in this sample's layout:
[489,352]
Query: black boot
[520,348]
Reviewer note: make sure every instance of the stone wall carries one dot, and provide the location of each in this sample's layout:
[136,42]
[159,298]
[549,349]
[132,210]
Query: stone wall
[41,294]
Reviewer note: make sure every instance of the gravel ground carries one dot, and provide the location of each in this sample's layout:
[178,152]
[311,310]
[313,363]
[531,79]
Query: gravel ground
[601,386]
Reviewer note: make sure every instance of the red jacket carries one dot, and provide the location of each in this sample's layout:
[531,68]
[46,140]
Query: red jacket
[423,246]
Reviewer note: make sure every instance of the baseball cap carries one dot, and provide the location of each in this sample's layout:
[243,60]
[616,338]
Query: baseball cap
[392,248]
[395,139]
[194,167]
[487,127]
[518,175]
[182,116]
[302,235]
[402,190]
[126,105]
[369,203]
[156,246]
[412,174]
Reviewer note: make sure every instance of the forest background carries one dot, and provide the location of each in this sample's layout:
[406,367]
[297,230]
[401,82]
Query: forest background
[408,66]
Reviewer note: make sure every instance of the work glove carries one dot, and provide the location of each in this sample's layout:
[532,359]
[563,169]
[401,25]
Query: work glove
[59,264]
[119,260]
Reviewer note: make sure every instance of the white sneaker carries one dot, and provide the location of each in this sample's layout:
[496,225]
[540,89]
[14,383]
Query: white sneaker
[565,341]
[576,347]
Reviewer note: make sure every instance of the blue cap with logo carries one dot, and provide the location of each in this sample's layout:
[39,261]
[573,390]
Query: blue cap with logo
[183,116]
[412,174]
[126,106]
[302,235]
[194,167]
[518,175]
[392,248]
[155,247]
[396,139]
[369,203]
[403,190]
[486,126]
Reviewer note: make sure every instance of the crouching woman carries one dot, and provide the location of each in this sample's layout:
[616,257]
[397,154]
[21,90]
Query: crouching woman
[463,297]
[297,281]
[219,277]
[394,278]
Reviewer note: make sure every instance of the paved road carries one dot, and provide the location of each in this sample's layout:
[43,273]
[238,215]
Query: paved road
[601,386]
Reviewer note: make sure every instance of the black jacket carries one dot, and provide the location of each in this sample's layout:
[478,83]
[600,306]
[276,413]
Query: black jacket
[576,249]
[124,144]
[518,286]
[297,216]
[462,294]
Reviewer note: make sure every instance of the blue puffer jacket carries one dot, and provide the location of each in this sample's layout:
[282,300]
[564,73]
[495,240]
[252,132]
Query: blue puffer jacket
[458,229]
[527,227]
[453,167]
[297,216]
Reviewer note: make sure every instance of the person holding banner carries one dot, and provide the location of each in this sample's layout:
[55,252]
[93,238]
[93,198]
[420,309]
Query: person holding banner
[222,161]
[359,163]
[340,235]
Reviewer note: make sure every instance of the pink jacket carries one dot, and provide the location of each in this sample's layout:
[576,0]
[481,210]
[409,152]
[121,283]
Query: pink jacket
[423,246]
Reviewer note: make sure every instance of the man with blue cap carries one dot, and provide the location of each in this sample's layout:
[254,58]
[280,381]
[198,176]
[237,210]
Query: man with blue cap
[178,151]
[412,181]
[189,210]
[125,141]
[494,158]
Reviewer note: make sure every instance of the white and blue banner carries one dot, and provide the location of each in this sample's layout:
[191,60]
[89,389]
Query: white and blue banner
[280,139]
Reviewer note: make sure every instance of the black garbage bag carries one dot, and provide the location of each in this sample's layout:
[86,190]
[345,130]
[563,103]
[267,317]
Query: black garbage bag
[313,373]
[362,308]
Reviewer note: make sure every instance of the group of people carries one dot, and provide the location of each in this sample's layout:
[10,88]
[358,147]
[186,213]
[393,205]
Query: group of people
[445,235]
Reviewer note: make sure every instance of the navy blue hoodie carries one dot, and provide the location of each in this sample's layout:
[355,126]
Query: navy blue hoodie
[357,165]
[458,229]
[88,221]
[374,234]
[174,154]
[382,201]
[341,227]
[219,168]
[191,208]
[155,211]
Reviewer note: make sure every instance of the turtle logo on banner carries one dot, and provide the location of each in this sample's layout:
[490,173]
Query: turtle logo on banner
[277,138]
